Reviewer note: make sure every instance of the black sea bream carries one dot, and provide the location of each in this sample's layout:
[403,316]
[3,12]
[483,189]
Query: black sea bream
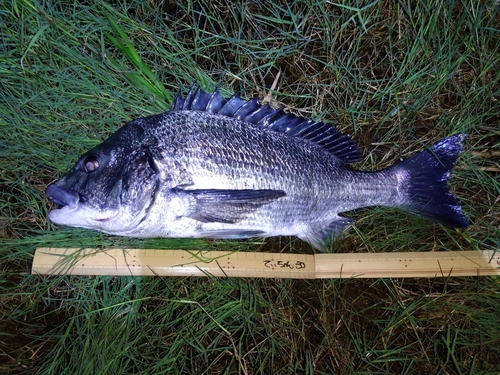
[230,168]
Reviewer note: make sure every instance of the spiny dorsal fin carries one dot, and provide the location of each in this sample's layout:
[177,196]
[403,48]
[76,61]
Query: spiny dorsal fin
[251,111]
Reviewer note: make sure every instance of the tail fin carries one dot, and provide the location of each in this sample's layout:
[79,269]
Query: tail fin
[427,182]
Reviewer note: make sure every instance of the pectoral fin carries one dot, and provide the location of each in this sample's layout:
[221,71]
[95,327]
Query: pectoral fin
[226,206]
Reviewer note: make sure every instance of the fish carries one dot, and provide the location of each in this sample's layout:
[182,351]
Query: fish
[230,168]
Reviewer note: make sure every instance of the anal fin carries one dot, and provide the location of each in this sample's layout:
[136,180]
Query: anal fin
[321,238]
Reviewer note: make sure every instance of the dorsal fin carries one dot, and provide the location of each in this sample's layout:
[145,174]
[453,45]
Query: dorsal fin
[325,135]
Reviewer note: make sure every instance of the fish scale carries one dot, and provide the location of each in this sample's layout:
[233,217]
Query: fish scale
[230,168]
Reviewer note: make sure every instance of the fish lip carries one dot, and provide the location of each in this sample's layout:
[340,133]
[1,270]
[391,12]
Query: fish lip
[63,209]
[63,215]
[63,197]
[55,214]
[70,203]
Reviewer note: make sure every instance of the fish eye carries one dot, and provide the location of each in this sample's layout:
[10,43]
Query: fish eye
[90,163]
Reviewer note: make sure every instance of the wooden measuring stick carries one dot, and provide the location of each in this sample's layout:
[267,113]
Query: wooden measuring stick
[146,262]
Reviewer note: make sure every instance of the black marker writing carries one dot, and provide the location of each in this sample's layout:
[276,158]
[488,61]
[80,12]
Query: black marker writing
[280,264]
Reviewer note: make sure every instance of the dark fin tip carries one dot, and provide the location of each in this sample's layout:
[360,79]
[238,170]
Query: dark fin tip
[251,111]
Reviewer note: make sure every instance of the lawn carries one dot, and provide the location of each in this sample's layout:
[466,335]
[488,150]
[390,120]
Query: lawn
[397,76]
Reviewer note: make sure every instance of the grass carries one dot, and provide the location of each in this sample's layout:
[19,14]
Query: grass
[397,76]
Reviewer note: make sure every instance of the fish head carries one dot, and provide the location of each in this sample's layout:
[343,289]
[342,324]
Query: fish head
[111,187]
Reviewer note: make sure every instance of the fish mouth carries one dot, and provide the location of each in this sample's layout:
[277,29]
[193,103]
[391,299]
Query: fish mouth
[118,218]
[71,213]
[62,197]
[79,216]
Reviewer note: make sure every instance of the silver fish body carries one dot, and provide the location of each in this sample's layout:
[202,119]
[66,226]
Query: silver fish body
[220,168]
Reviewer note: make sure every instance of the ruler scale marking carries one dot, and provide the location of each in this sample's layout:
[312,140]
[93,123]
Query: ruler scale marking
[145,262]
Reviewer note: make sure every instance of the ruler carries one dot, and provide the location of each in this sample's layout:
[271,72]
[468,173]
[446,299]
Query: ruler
[146,262]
